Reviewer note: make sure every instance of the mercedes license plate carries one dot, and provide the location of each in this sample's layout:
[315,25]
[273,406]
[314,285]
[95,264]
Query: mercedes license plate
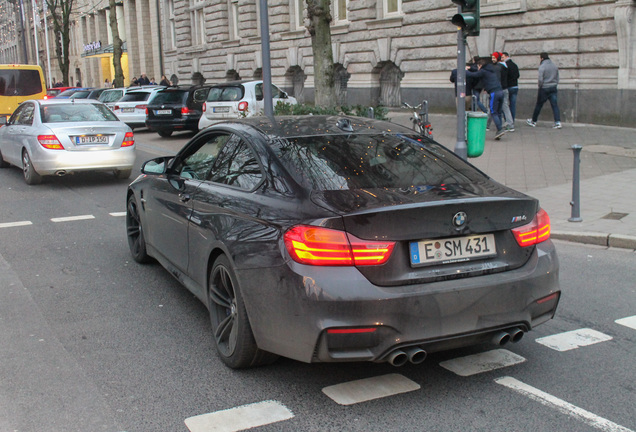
[163,112]
[127,110]
[91,139]
[452,250]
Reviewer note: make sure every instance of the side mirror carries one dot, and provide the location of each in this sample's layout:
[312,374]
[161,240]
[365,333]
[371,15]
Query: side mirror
[156,166]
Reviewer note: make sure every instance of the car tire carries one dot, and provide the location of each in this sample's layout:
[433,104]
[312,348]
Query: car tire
[3,163]
[233,335]
[123,174]
[135,233]
[164,134]
[31,177]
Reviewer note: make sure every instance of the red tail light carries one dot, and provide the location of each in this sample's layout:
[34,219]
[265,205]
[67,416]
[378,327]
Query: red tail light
[115,108]
[185,110]
[535,232]
[242,106]
[129,140]
[322,246]
[146,111]
[204,107]
[143,107]
[50,142]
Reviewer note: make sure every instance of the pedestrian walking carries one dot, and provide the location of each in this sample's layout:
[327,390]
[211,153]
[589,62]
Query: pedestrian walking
[513,84]
[164,81]
[548,81]
[493,87]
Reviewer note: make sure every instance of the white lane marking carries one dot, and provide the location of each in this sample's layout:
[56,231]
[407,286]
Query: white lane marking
[367,389]
[573,339]
[15,224]
[561,405]
[72,218]
[240,418]
[627,322]
[482,362]
[118,214]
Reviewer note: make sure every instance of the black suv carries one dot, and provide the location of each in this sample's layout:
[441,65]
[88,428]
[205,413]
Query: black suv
[175,109]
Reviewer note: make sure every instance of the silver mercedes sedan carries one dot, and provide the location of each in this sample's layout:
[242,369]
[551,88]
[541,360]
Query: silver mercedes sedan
[63,136]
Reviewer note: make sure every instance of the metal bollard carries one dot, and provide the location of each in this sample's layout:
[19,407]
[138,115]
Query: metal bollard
[576,191]
[370,113]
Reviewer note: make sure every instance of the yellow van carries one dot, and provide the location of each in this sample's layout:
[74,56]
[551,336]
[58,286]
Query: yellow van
[17,84]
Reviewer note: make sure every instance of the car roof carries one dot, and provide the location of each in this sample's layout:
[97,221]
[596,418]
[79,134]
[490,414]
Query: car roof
[312,125]
[54,101]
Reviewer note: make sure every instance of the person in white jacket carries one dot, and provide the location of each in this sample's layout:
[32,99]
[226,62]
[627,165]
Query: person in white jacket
[548,81]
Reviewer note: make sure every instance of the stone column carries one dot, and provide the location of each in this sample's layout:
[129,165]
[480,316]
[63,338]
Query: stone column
[625,19]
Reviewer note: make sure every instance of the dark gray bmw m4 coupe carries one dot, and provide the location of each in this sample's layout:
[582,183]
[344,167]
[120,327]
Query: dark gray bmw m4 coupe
[333,238]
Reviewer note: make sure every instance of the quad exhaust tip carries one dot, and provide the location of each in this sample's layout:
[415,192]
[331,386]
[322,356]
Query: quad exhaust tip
[415,355]
[513,335]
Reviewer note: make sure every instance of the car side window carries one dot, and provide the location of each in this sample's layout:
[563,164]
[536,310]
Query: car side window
[25,117]
[15,117]
[199,164]
[237,166]
[258,92]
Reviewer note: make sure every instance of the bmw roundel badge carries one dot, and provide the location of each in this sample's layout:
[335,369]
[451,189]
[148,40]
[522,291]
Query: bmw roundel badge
[459,220]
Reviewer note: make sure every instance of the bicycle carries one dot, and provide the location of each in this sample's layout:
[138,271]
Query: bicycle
[420,121]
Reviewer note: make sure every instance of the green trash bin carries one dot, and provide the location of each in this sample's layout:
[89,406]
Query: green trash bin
[476,133]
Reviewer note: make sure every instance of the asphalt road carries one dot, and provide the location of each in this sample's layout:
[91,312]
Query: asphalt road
[92,341]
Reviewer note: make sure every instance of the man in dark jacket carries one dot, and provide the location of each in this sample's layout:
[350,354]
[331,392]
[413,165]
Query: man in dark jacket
[492,85]
[513,83]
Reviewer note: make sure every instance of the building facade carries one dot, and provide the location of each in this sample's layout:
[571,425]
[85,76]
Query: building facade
[385,51]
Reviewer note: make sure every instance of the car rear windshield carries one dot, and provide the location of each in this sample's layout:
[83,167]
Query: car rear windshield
[20,82]
[169,97]
[111,96]
[226,94]
[76,113]
[370,161]
[82,94]
[135,97]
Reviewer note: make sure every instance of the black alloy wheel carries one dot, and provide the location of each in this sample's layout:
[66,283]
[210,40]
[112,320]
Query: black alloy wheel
[135,233]
[232,331]
[31,177]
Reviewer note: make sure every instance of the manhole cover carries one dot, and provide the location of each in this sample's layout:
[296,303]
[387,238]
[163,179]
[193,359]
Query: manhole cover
[615,216]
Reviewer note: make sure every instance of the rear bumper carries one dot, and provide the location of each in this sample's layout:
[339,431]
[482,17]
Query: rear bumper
[172,124]
[292,307]
[53,161]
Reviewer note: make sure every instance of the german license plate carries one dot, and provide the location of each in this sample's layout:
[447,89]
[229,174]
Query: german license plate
[220,109]
[91,139]
[163,112]
[452,250]
[127,110]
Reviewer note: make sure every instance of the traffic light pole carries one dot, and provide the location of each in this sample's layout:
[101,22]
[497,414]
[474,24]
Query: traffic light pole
[460,147]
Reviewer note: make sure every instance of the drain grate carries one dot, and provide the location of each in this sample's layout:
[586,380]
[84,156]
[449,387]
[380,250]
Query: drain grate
[615,216]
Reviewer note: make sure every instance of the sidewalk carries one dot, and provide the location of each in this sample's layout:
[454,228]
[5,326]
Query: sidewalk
[539,161]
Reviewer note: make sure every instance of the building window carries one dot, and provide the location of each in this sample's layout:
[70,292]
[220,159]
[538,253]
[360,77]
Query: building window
[297,11]
[340,12]
[233,7]
[391,8]
[172,27]
[197,19]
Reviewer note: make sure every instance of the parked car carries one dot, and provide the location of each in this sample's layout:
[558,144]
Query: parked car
[92,93]
[176,109]
[110,96]
[131,108]
[238,99]
[71,91]
[55,91]
[333,238]
[62,136]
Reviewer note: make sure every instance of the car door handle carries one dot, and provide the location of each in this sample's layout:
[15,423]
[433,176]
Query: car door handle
[184,197]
